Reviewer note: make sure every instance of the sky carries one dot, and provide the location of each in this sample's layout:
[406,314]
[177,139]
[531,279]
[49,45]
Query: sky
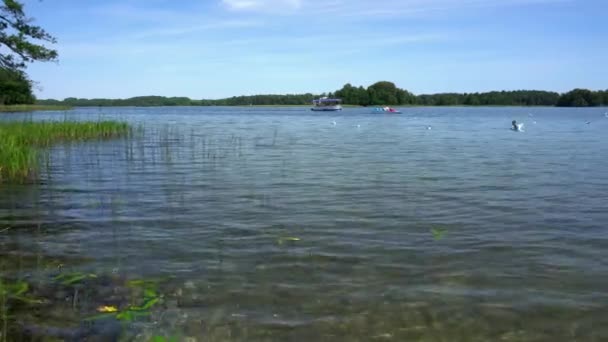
[220,48]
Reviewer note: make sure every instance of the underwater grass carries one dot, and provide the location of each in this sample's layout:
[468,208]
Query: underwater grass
[31,108]
[20,142]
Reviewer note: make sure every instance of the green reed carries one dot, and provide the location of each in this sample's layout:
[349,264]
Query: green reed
[31,108]
[20,142]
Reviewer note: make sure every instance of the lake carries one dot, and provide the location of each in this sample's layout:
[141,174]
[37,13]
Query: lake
[439,224]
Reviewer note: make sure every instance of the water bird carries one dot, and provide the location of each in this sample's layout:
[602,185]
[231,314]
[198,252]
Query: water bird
[517,127]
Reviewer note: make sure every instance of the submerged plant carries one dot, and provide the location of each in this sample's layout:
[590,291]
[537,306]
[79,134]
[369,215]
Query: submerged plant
[438,233]
[17,291]
[12,291]
[282,240]
[74,278]
[163,339]
[138,308]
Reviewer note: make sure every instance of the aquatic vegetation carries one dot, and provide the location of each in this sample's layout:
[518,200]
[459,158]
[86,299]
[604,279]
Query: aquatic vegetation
[282,240]
[9,292]
[118,300]
[138,308]
[17,291]
[32,108]
[163,339]
[20,142]
[73,278]
[438,233]
[107,308]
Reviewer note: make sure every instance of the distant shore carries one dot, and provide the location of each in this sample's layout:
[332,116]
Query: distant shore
[379,94]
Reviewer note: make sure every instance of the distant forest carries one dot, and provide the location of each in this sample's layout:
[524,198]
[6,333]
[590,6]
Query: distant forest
[378,94]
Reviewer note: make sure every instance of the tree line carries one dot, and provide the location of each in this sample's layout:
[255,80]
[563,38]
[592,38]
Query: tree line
[154,101]
[378,94]
[386,93]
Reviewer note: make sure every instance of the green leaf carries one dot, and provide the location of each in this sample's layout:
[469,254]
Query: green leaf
[149,304]
[125,316]
[73,278]
[21,288]
[101,316]
[282,240]
[28,300]
[438,233]
[149,293]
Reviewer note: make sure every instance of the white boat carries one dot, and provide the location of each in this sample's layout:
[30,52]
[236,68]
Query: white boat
[325,104]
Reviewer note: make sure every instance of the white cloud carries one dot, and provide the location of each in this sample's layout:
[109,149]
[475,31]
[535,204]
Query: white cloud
[262,5]
[367,8]
[186,29]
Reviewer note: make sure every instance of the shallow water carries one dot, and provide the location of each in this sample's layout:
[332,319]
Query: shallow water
[277,224]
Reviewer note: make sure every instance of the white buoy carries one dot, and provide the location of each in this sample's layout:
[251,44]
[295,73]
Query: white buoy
[333,123]
[429,128]
[358,126]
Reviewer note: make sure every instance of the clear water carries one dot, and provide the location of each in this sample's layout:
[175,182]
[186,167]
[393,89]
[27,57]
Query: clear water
[213,200]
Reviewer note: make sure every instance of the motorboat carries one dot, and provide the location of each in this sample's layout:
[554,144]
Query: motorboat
[326,104]
[389,110]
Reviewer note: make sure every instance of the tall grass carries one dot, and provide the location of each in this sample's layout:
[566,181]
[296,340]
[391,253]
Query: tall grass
[20,142]
[31,108]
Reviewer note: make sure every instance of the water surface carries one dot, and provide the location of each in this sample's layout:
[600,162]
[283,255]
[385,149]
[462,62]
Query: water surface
[283,224]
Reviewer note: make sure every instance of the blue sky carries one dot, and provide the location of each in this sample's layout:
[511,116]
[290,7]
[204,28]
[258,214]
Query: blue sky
[221,48]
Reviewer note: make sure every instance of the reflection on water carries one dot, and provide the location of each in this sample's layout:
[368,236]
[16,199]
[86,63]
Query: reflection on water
[275,224]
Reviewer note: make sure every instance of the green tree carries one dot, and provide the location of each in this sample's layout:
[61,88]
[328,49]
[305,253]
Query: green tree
[22,40]
[362,97]
[471,99]
[15,88]
[580,98]
[383,93]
